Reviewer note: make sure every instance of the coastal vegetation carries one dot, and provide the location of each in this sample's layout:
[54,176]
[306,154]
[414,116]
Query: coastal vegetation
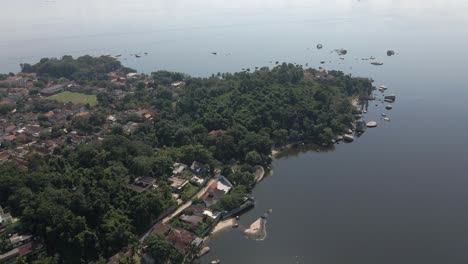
[77,198]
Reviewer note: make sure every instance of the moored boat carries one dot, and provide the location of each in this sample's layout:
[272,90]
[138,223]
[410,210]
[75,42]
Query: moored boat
[348,137]
[371,124]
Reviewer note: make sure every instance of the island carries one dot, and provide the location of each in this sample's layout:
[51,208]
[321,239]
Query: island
[102,164]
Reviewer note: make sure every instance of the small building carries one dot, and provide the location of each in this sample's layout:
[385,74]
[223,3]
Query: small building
[132,74]
[130,127]
[224,184]
[83,114]
[193,220]
[197,209]
[161,229]
[177,183]
[197,181]
[179,168]
[18,240]
[181,239]
[148,117]
[199,168]
[49,114]
[49,91]
[142,184]
[9,256]
[9,138]
[111,118]
[215,132]
[177,84]
[211,214]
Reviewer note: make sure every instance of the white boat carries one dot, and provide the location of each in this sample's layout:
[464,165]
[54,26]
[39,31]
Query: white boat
[371,124]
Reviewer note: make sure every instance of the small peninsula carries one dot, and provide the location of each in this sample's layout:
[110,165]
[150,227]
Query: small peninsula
[101,164]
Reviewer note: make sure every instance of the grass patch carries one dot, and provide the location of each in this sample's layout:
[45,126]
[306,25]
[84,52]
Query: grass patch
[75,98]
[188,191]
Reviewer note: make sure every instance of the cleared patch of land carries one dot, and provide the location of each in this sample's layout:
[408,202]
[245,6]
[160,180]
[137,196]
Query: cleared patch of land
[76,98]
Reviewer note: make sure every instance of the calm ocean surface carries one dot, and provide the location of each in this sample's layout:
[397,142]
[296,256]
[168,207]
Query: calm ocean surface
[398,194]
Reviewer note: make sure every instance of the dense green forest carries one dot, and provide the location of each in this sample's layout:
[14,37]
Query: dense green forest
[77,200]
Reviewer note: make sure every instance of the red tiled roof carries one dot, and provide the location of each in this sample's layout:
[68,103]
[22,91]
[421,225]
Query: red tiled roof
[83,114]
[181,239]
[10,137]
[215,132]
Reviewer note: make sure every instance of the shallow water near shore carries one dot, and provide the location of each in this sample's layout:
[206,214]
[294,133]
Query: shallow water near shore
[398,194]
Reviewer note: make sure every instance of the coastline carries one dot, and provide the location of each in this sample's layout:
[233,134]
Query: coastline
[221,226]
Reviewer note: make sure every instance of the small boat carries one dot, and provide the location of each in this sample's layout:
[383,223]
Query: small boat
[214,53]
[390,98]
[319,46]
[377,63]
[339,138]
[383,87]
[137,56]
[371,124]
[204,251]
[118,55]
[348,138]
[383,114]
[386,119]
[388,107]
[216,261]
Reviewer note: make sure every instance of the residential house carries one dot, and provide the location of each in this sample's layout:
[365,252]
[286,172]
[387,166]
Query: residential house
[130,128]
[216,191]
[215,132]
[197,209]
[179,168]
[142,184]
[199,168]
[17,240]
[111,118]
[197,181]
[4,156]
[177,84]
[177,183]
[161,229]
[9,138]
[14,81]
[192,220]
[181,239]
[49,91]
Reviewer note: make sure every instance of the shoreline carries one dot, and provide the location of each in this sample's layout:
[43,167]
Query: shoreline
[221,226]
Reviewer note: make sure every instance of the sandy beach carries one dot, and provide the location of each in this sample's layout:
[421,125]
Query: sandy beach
[257,229]
[223,225]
